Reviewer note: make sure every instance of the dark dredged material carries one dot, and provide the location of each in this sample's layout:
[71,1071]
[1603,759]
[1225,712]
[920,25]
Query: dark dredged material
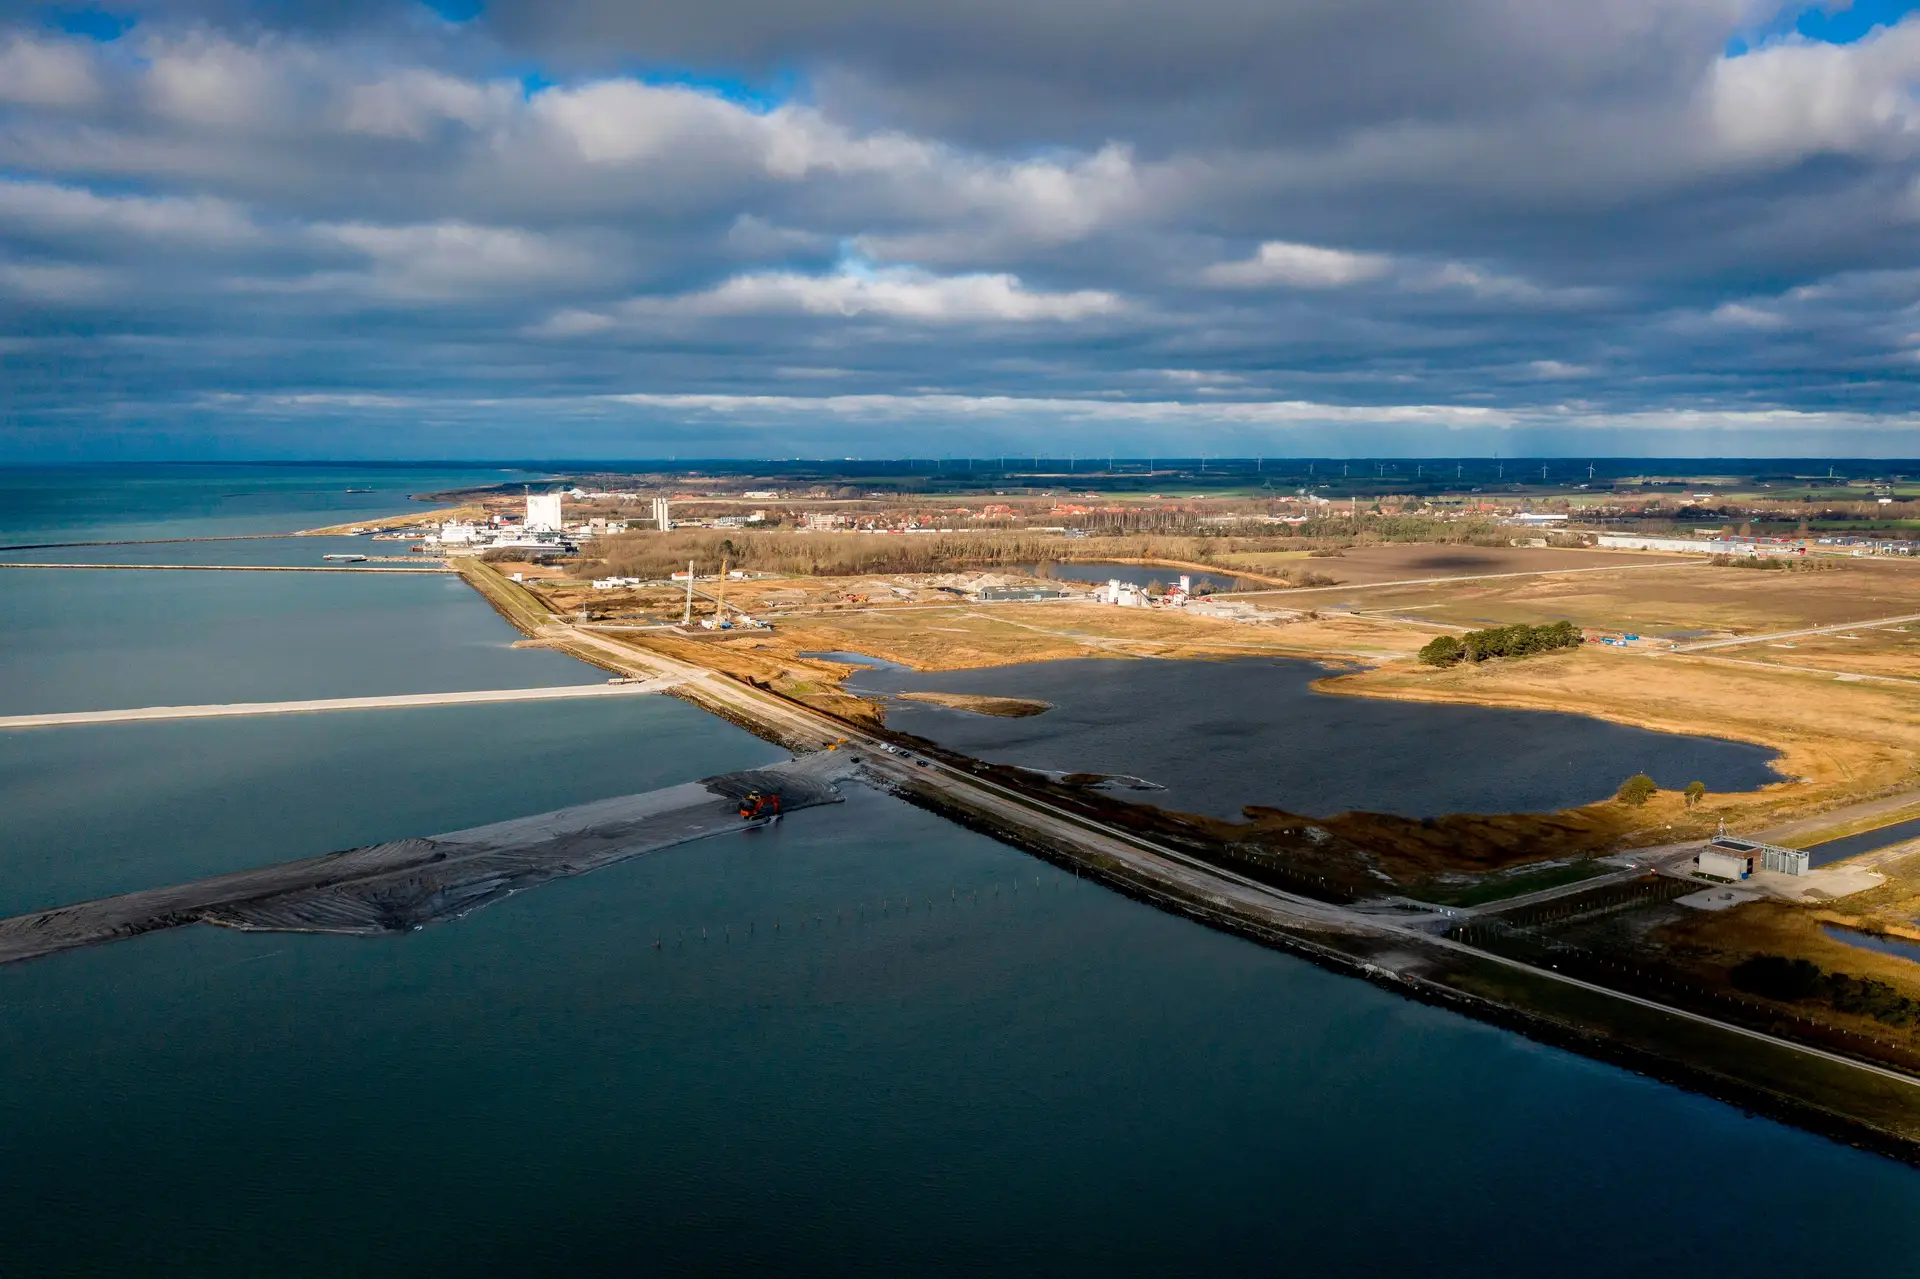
[404,884]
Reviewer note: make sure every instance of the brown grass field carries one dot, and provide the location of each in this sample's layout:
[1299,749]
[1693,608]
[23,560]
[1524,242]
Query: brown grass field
[1841,741]
[1891,651]
[1361,565]
[1694,599]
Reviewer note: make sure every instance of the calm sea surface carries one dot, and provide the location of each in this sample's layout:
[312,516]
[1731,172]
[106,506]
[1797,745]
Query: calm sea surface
[919,1070]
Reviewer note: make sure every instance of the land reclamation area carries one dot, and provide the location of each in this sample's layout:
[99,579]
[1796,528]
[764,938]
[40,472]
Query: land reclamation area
[1841,739]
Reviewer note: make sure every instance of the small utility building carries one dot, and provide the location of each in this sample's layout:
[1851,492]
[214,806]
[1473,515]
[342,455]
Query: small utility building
[1723,864]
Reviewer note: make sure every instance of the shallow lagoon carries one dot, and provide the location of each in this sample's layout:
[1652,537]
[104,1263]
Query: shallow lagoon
[1222,735]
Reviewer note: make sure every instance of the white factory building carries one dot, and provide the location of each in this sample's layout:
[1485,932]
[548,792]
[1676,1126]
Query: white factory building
[1700,545]
[1127,595]
[543,513]
[541,532]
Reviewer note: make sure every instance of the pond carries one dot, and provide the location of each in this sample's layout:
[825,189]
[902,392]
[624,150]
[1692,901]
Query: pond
[1099,572]
[1222,735]
[1900,947]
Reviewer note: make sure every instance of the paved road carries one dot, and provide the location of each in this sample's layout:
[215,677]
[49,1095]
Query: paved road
[1704,645]
[557,692]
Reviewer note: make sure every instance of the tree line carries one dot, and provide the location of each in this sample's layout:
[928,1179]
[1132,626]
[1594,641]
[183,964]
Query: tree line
[1520,640]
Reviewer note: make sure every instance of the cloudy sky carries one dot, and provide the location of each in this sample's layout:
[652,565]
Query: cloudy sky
[602,228]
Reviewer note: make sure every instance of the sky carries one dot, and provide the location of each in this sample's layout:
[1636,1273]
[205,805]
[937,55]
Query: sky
[893,228]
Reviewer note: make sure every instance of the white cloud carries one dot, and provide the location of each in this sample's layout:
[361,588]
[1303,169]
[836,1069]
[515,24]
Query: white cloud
[54,283]
[1303,266]
[572,323]
[203,80]
[1798,97]
[47,208]
[1552,369]
[1743,316]
[624,122]
[456,259]
[903,293]
[1457,275]
[1263,412]
[756,237]
[412,102]
[1033,413]
[47,74]
[973,210]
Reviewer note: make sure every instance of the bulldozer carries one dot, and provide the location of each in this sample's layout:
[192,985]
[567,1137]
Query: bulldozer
[755,806]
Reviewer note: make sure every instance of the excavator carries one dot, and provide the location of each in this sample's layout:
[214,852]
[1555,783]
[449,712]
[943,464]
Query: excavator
[755,806]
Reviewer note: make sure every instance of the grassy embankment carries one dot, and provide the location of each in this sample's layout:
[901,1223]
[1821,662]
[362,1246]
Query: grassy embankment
[526,611]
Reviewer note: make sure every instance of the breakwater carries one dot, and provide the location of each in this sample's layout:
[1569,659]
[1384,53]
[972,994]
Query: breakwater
[404,884]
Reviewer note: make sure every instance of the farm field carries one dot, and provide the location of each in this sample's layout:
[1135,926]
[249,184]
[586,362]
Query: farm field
[1392,562]
[1698,600]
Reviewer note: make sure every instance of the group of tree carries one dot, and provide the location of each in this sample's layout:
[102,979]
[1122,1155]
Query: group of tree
[1501,641]
[1793,980]
[1640,788]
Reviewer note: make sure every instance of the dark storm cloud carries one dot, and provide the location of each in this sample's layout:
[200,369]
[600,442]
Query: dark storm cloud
[1004,71]
[1215,225]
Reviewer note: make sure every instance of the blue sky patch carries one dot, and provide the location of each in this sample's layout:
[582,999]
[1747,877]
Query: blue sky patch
[87,21]
[1827,24]
[455,11]
[760,97]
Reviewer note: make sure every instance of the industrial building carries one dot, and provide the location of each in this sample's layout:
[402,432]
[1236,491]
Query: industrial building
[1754,546]
[543,513]
[1127,595]
[993,593]
[541,532]
[1723,864]
[1730,858]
